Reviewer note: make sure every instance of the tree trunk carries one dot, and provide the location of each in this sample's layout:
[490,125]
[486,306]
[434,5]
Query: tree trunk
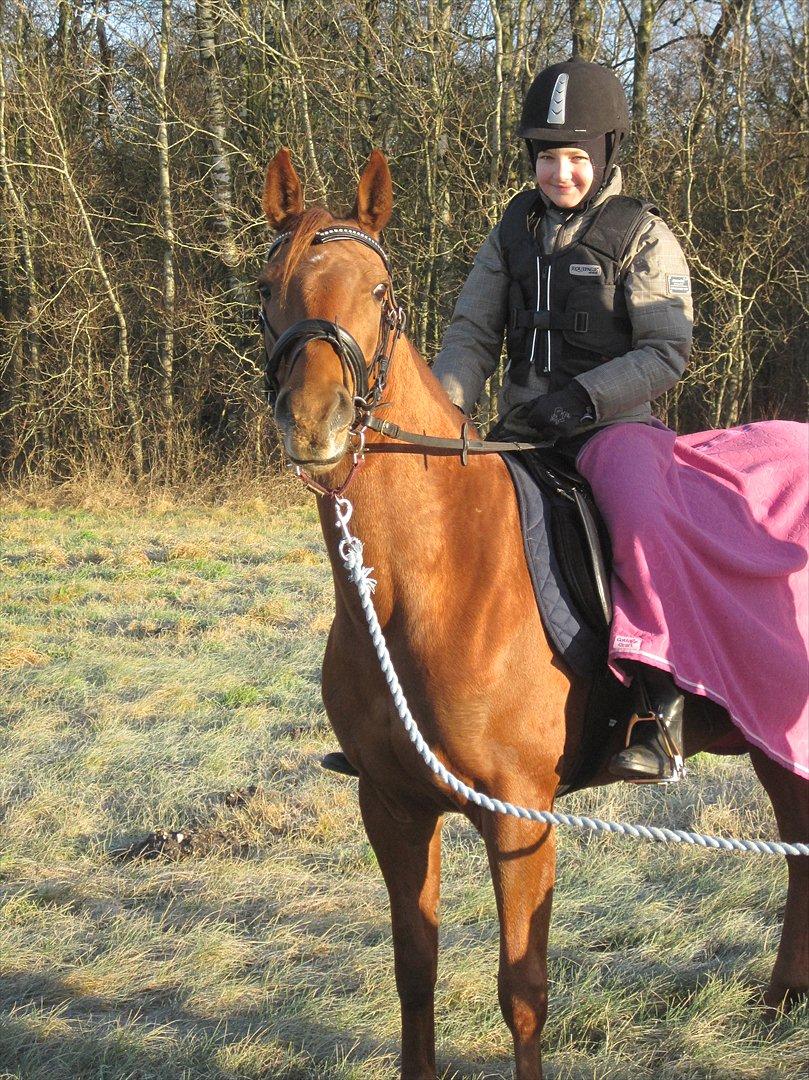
[581,29]
[496,136]
[640,80]
[166,344]
[105,80]
[127,390]
[221,177]
[366,77]
[712,46]
[24,302]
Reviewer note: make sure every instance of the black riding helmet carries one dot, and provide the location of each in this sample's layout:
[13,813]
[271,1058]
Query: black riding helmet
[573,103]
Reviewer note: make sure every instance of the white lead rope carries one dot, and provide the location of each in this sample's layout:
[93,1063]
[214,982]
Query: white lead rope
[351,554]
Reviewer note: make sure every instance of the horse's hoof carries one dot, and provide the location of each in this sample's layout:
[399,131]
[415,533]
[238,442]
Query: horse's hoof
[780,999]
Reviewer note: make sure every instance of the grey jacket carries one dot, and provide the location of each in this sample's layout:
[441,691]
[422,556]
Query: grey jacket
[658,297]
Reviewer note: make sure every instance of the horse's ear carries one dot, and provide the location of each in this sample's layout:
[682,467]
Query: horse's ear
[374,203]
[283,195]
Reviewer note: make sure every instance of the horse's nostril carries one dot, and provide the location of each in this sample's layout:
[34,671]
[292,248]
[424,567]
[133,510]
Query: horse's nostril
[281,411]
[343,412]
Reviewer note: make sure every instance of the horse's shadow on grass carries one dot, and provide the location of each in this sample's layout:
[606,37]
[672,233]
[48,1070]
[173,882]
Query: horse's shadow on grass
[148,1035]
[108,1037]
[85,1037]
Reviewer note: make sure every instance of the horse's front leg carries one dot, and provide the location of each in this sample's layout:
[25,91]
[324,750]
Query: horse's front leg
[409,854]
[522,857]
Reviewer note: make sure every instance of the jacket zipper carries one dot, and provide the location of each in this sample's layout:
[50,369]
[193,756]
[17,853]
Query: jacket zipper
[539,293]
[547,369]
[548,307]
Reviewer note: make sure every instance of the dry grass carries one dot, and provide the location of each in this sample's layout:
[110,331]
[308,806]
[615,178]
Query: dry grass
[156,655]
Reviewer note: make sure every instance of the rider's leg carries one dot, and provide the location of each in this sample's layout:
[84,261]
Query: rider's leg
[656,744]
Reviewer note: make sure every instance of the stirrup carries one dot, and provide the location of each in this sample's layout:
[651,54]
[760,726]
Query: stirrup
[678,769]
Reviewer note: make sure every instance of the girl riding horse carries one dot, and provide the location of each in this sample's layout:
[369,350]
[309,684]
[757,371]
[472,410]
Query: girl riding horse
[592,292]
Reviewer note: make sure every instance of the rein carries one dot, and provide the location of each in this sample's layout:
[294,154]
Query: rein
[367,380]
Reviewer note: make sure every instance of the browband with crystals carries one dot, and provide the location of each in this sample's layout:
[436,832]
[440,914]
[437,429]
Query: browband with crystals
[335,232]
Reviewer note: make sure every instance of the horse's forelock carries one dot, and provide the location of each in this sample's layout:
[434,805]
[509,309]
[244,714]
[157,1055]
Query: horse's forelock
[303,230]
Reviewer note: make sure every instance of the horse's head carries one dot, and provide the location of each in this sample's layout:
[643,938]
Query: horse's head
[328,315]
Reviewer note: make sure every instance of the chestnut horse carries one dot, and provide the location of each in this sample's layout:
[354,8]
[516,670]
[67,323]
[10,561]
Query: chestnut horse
[456,604]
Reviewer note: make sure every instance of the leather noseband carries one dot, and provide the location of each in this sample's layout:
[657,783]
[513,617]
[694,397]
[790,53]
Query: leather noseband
[295,339]
[290,344]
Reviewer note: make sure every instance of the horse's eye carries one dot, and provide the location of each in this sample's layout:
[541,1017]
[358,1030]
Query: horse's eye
[266,292]
[379,292]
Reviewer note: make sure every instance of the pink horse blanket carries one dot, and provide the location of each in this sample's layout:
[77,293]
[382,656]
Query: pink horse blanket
[710,581]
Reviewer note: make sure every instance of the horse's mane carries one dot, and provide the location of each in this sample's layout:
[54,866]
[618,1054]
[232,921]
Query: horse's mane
[303,229]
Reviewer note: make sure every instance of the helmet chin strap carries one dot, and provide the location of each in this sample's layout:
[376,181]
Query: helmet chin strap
[598,185]
[613,147]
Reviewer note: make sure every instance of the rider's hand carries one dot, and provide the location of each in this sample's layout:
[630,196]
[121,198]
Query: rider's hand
[562,413]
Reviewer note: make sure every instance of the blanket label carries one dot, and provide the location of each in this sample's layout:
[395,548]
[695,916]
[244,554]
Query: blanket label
[629,644]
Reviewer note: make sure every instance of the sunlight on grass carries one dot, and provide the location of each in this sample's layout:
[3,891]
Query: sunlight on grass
[158,667]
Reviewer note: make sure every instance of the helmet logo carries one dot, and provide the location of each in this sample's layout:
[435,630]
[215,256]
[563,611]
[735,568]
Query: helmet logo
[556,112]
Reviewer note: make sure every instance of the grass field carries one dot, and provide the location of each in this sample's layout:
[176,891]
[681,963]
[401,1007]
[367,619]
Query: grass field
[155,657]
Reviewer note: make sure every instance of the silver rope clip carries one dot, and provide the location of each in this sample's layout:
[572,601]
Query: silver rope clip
[343,511]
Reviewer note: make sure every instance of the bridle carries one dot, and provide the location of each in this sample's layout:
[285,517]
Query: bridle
[365,381]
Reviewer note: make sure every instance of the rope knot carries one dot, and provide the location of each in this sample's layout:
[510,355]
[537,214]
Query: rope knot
[350,549]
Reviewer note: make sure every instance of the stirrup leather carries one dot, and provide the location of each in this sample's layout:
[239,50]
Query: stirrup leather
[678,770]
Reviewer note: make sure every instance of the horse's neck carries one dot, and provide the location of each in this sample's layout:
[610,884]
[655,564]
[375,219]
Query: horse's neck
[408,506]
[414,398]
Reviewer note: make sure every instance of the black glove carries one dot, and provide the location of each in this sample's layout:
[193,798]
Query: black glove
[561,414]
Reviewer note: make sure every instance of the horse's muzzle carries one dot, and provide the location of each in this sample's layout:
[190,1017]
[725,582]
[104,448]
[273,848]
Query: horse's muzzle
[315,434]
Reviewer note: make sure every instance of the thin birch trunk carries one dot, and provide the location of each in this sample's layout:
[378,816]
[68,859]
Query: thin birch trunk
[366,96]
[496,136]
[29,314]
[516,87]
[709,64]
[105,80]
[246,102]
[273,79]
[439,25]
[166,345]
[741,86]
[303,101]
[640,79]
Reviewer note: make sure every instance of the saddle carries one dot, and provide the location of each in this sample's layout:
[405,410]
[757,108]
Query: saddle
[579,536]
[569,558]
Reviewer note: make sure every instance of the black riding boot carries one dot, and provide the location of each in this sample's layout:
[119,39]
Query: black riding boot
[339,763]
[654,751]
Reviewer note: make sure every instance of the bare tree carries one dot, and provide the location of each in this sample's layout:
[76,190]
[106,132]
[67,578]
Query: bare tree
[132,148]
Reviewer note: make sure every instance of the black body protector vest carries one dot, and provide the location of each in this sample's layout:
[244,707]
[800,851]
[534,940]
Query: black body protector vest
[567,309]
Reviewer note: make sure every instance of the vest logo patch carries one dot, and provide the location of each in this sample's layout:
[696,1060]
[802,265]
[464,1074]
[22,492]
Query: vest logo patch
[678,284]
[585,270]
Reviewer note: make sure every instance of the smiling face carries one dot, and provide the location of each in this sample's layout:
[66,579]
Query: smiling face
[565,175]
